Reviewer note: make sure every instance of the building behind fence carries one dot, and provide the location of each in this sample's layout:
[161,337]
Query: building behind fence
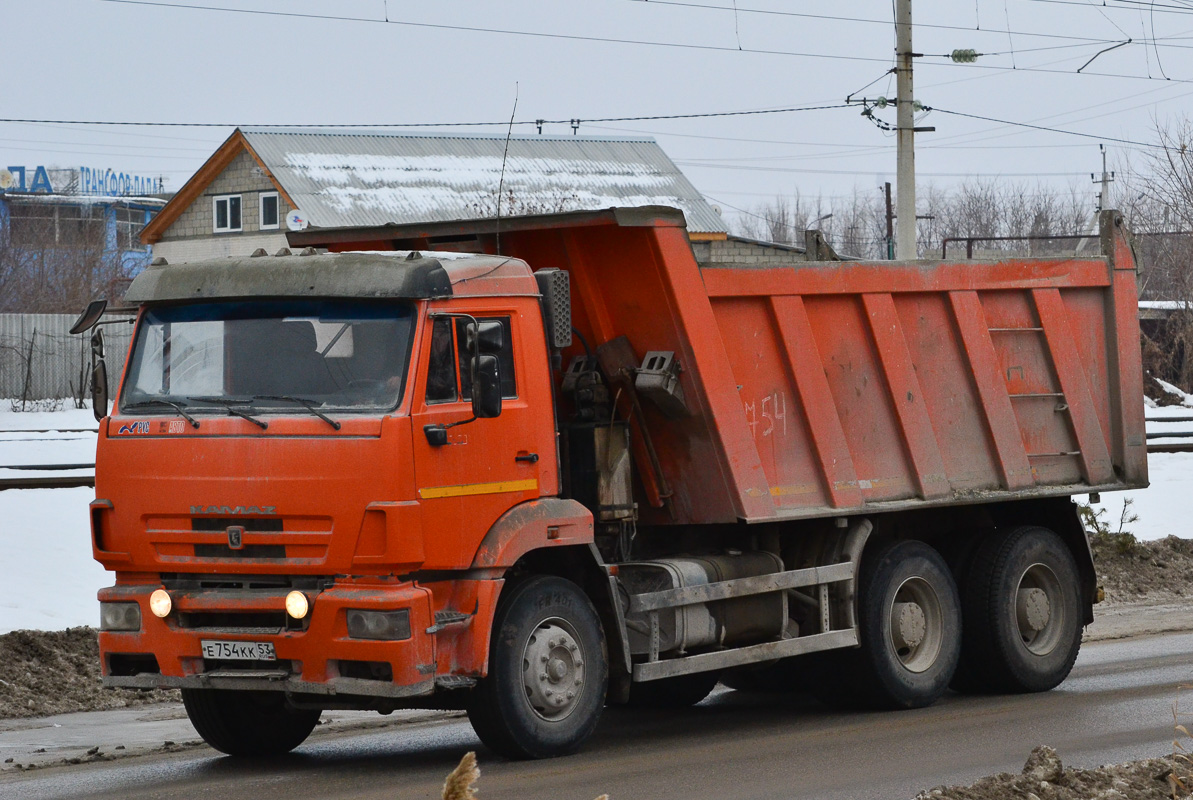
[40,359]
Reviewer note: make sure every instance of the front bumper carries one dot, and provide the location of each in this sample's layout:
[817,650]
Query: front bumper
[319,660]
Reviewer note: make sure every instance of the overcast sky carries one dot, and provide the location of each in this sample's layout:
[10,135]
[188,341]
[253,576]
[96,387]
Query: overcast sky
[99,60]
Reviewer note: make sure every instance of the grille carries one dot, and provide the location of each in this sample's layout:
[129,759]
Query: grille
[256,524]
[249,551]
[246,622]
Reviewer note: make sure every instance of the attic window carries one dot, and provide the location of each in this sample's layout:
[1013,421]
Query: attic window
[226,213]
[269,211]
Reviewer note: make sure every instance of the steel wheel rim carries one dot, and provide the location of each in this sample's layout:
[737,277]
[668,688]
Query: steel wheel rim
[1038,611]
[553,669]
[915,625]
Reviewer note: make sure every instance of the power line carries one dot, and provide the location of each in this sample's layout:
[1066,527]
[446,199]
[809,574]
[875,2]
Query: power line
[868,20]
[608,40]
[503,31]
[575,122]
[1045,128]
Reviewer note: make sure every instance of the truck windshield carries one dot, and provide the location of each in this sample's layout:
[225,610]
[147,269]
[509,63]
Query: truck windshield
[277,354]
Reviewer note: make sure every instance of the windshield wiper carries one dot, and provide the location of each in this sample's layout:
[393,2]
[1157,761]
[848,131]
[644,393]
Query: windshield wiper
[181,411]
[231,407]
[309,405]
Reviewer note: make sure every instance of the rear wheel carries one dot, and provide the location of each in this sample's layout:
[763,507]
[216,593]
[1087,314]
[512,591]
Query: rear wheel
[248,723]
[678,692]
[1022,613]
[909,626]
[548,672]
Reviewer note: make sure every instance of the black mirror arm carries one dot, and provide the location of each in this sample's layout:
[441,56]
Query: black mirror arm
[437,434]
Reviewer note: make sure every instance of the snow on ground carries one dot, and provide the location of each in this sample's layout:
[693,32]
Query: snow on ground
[48,579]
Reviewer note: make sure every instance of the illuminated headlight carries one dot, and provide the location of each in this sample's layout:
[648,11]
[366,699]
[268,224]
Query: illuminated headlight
[384,625]
[297,605]
[119,617]
[160,603]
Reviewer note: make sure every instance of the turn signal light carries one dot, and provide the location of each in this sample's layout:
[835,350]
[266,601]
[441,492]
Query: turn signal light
[160,603]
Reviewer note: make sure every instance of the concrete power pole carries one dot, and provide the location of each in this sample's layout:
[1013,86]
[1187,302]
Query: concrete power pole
[905,133]
[1107,179]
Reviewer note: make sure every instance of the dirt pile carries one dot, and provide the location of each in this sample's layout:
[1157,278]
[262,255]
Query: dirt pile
[57,672]
[1045,778]
[1131,571]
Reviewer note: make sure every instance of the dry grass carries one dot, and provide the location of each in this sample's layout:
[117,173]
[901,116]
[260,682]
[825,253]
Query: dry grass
[461,783]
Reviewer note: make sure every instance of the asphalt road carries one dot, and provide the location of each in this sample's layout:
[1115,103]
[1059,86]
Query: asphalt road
[1116,706]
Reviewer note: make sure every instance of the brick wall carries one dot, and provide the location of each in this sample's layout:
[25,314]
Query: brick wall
[199,248]
[739,254]
[244,177]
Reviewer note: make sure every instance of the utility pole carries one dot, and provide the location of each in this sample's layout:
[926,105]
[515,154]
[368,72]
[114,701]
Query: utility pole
[890,224]
[905,133]
[1107,179]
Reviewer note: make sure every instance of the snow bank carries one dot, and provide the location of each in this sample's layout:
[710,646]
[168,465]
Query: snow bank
[50,579]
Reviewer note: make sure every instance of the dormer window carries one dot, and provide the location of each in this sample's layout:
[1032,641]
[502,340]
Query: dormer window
[226,213]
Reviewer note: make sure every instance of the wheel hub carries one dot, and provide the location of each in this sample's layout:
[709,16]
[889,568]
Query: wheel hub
[553,670]
[1033,609]
[910,625]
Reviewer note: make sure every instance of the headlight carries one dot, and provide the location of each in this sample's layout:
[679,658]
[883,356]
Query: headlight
[160,603]
[384,625]
[297,605]
[119,617]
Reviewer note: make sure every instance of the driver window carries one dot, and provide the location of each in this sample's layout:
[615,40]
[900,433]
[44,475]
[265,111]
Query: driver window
[441,367]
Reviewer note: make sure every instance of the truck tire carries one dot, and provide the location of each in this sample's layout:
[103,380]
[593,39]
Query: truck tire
[1022,613]
[548,672]
[678,692]
[248,723]
[909,627]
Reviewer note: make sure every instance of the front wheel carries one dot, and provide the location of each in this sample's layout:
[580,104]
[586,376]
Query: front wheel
[1022,613]
[909,626]
[548,672]
[248,723]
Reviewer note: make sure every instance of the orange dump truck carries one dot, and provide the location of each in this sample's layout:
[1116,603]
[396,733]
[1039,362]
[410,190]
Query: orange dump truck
[576,468]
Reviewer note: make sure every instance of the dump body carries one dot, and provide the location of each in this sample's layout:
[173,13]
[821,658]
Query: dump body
[843,387]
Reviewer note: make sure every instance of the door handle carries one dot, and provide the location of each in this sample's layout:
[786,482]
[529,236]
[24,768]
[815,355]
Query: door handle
[528,458]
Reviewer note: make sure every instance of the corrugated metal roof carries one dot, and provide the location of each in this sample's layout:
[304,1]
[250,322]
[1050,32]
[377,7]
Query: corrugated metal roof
[341,179]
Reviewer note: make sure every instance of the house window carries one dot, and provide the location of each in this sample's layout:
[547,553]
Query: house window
[269,211]
[226,213]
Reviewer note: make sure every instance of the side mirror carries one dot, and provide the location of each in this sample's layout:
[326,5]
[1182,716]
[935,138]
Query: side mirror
[484,337]
[486,386]
[99,376]
[90,316]
[99,390]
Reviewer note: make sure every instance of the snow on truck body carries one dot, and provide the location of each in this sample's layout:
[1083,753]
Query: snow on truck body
[340,475]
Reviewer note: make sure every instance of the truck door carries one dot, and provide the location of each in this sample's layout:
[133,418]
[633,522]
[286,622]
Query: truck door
[487,465]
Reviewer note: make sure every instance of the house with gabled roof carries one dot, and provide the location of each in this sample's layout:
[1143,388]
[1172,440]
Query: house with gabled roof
[239,201]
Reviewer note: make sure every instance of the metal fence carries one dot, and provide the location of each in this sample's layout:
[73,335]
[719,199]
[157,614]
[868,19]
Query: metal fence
[40,359]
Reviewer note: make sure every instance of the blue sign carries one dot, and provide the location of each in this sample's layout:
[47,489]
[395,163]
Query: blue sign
[41,180]
[115,184]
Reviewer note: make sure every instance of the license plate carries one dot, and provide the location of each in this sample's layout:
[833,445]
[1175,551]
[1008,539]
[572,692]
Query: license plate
[238,651]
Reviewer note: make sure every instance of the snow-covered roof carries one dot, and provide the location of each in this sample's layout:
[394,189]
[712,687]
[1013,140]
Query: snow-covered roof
[346,179]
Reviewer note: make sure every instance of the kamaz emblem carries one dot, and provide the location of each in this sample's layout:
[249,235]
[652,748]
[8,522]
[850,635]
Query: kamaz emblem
[234,511]
[236,537]
[134,427]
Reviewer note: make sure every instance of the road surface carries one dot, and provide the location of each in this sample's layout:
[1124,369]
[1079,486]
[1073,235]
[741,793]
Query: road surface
[1116,706]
